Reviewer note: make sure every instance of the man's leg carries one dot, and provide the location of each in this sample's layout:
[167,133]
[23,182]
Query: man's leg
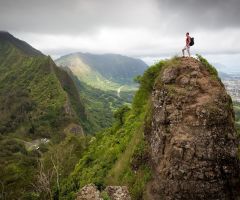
[188,50]
[183,51]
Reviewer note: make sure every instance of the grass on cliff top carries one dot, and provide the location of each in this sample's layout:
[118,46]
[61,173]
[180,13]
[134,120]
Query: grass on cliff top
[147,82]
[211,69]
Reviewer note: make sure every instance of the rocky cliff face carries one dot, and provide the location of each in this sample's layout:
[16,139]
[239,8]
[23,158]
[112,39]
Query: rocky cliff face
[192,136]
[90,192]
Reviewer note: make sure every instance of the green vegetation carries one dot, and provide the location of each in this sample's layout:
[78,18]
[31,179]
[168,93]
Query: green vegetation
[107,72]
[236,106]
[112,67]
[40,104]
[99,105]
[56,164]
[146,85]
[118,154]
[34,174]
[37,101]
[17,168]
[32,100]
[105,196]
[209,67]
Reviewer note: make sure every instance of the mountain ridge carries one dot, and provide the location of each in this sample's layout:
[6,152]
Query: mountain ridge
[29,63]
[39,106]
[22,45]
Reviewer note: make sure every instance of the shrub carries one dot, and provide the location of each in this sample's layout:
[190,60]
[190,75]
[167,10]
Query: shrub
[212,70]
[146,85]
[120,114]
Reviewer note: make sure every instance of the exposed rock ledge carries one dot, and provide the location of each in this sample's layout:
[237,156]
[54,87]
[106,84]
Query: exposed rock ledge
[90,192]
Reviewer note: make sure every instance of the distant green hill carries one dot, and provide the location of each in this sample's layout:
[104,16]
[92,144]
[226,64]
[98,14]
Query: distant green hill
[109,72]
[99,105]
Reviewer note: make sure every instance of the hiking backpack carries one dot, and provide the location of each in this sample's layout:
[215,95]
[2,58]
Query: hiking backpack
[192,41]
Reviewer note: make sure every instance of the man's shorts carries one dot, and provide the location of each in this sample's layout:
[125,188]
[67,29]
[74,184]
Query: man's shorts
[186,48]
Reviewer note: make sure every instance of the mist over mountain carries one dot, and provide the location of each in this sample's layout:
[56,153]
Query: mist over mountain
[115,67]
[228,69]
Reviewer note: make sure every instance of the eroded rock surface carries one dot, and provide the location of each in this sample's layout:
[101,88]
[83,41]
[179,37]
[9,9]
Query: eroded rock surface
[192,136]
[89,192]
[118,193]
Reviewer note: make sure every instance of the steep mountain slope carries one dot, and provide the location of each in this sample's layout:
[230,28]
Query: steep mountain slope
[178,141]
[39,104]
[106,72]
[46,117]
[21,45]
[99,105]
[110,157]
[35,96]
[115,67]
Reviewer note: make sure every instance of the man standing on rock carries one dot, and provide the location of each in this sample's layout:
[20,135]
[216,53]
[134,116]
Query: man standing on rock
[187,47]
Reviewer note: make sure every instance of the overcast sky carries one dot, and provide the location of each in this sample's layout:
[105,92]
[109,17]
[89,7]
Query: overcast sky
[148,29]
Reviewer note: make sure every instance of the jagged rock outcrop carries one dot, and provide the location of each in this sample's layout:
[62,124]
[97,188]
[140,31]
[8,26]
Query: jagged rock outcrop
[192,136]
[90,192]
[118,192]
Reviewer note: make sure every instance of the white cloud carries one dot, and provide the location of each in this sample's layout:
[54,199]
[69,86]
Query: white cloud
[140,28]
[137,42]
